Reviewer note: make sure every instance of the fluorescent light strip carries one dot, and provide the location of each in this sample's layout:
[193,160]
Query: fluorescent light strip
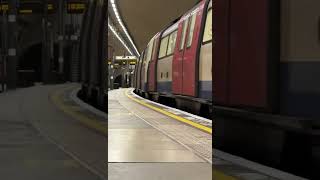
[119,38]
[114,7]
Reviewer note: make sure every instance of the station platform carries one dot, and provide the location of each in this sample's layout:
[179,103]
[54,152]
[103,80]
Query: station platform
[147,140]
[144,144]
[46,133]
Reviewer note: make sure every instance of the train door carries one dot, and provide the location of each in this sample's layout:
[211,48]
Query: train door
[137,74]
[143,70]
[152,79]
[139,71]
[185,61]
[134,80]
[147,64]
[205,57]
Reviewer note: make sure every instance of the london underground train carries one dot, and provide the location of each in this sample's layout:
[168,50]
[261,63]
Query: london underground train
[262,60]
[176,65]
[260,72]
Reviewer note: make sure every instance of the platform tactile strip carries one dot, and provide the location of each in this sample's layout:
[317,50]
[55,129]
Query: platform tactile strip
[196,140]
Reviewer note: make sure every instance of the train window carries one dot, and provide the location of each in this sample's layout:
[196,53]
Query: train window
[207,36]
[172,43]
[184,31]
[154,48]
[163,47]
[149,52]
[141,57]
[191,29]
[145,55]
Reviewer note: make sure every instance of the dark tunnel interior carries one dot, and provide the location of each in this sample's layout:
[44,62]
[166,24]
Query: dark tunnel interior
[29,67]
[117,82]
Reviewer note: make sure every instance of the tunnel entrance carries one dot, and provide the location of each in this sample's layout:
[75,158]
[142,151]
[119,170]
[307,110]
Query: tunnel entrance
[117,82]
[29,67]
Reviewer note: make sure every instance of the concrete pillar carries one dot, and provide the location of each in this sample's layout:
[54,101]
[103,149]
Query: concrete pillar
[110,67]
[61,35]
[46,70]
[4,49]
[12,45]
[112,73]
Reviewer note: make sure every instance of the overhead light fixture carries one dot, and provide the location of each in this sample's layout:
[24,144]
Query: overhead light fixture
[115,10]
[119,38]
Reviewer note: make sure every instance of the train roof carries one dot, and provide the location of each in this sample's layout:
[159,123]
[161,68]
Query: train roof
[170,29]
[174,24]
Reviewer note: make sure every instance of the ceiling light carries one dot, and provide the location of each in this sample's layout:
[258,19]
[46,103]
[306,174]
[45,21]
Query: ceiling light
[119,38]
[115,10]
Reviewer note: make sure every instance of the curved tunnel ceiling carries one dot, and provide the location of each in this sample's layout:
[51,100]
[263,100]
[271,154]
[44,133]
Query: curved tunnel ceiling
[144,18]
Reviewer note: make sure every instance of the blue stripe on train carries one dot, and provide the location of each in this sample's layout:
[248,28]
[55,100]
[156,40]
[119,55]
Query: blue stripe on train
[205,89]
[144,87]
[300,89]
[164,87]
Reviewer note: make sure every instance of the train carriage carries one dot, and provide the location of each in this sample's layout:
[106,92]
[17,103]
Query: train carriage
[93,54]
[165,60]
[246,68]
[266,63]
[261,77]
[177,63]
[265,82]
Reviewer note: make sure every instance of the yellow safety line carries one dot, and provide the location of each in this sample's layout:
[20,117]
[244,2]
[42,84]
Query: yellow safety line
[218,175]
[199,126]
[26,11]
[90,123]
